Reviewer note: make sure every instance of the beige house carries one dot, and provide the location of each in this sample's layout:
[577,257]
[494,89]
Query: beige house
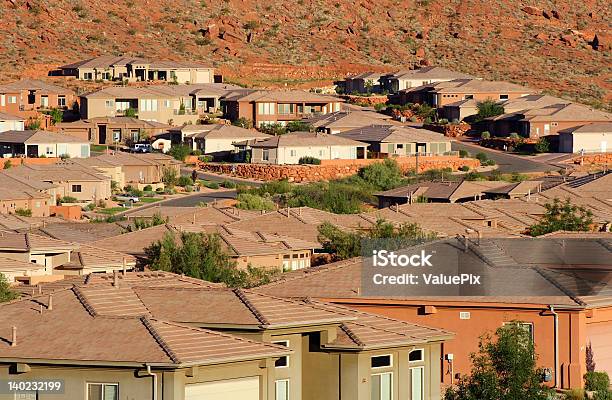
[290,147]
[126,168]
[342,121]
[189,340]
[27,194]
[42,144]
[393,141]
[589,138]
[168,104]
[35,256]
[70,180]
[9,122]
[366,82]
[139,69]
[112,130]
[214,139]
[409,78]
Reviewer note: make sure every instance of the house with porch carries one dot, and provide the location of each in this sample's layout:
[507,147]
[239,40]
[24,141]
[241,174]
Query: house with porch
[31,95]
[409,78]
[112,130]
[41,144]
[291,147]
[276,106]
[393,141]
[121,68]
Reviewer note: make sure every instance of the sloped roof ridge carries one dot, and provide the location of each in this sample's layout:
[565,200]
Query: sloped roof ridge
[260,317]
[81,297]
[545,273]
[352,335]
[160,341]
[288,277]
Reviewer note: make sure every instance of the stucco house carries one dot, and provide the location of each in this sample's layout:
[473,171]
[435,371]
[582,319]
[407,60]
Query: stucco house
[9,122]
[276,106]
[589,138]
[392,141]
[409,78]
[112,130]
[31,95]
[160,334]
[342,121]
[290,147]
[42,144]
[366,82]
[139,69]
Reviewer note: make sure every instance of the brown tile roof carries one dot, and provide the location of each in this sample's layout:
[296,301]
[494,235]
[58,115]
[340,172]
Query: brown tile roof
[29,241]
[94,257]
[345,119]
[69,331]
[36,137]
[10,117]
[450,191]
[80,232]
[431,73]
[33,84]
[281,96]
[392,134]
[595,127]
[111,61]
[8,264]
[479,86]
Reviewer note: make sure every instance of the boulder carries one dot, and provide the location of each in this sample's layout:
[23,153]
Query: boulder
[532,10]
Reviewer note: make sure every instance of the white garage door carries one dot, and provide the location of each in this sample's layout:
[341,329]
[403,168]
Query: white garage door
[241,388]
[600,336]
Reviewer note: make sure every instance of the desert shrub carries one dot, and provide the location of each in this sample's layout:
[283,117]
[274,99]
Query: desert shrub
[309,160]
[184,181]
[463,154]
[228,184]
[211,185]
[485,135]
[67,199]
[148,188]
[596,381]
[23,212]
[247,201]
[464,168]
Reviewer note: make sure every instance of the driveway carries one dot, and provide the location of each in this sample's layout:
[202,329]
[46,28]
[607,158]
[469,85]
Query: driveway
[507,162]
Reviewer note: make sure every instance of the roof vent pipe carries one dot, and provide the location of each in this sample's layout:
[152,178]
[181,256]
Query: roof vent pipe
[50,303]
[115,279]
[14,337]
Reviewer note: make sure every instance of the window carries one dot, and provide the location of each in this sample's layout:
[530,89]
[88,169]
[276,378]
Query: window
[76,188]
[503,97]
[382,386]
[167,104]
[417,355]
[49,150]
[417,380]
[116,135]
[285,109]
[527,326]
[12,99]
[61,101]
[293,153]
[282,362]
[265,155]
[88,76]
[468,96]
[149,105]
[282,389]
[382,361]
[465,315]
[265,108]
[102,391]
[109,103]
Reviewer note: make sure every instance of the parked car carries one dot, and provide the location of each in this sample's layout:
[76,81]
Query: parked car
[142,148]
[127,197]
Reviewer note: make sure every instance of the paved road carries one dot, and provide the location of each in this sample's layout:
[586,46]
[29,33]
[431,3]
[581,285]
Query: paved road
[193,200]
[507,162]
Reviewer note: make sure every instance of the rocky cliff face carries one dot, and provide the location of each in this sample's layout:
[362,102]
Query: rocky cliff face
[562,45]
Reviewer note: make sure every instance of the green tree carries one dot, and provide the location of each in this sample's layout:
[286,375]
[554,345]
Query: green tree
[6,293]
[130,112]
[57,116]
[33,124]
[273,129]
[179,152]
[203,256]
[7,164]
[562,216]
[542,146]
[298,126]
[169,176]
[243,123]
[503,369]
[488,108]
[384,176]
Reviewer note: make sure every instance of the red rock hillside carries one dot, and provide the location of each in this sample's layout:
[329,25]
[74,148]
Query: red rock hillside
[560,45]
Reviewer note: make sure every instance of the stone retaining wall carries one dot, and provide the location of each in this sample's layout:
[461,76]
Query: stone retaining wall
[593,159]
[331,169]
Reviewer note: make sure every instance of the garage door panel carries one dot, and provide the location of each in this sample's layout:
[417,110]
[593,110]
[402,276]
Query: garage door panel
[600,336]
[239,388]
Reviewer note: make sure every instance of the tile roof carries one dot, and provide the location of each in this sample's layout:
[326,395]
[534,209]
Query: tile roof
[69,331]
[106,61]
[595,127]
[29,241]
[432,72]
[393,134]
[88,256]
[307,139]
[33,84]
[348,119]
[450,191]
[163,91]
[36,137]
[281,96]
[8,264]
[80,232]
[10,117]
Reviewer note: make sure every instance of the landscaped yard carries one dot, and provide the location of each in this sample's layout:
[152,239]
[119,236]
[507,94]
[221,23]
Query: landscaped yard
[147,200]
[112,210]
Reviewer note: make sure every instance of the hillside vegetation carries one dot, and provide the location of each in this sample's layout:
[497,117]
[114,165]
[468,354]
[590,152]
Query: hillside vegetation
[546,44]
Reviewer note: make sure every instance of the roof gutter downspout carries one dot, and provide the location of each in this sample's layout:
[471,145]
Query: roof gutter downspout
[154,376]
[556,327]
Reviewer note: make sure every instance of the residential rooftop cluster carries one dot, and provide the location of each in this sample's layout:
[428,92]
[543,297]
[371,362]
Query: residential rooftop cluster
[166,235]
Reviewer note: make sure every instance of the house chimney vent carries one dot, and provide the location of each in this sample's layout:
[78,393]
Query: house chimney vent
[14,337]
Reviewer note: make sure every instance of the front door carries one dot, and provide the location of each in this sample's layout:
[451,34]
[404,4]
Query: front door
[102,134]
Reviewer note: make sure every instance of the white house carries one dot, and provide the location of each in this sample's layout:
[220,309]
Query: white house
[590,138]
[42,144]
[10,122]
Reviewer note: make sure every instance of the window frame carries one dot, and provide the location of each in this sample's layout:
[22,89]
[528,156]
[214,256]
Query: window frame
[103,385]
[384,366]
[73,187]
[288,388]
[422,359]
[285,343]
[390,373]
